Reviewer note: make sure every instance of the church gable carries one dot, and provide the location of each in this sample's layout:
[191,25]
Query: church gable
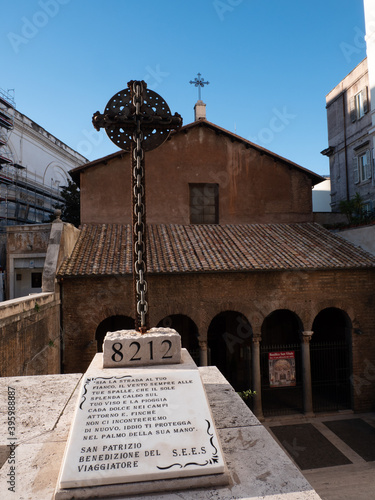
[201,175]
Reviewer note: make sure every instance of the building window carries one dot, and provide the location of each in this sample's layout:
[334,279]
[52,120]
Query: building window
[36,280]
[362,167]
[359,105]
[367,207]
[204,203]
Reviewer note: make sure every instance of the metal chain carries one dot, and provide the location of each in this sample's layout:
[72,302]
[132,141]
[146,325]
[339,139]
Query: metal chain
[139,214]
[137,124]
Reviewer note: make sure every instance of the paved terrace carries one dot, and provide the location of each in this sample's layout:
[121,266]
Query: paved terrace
[258,466]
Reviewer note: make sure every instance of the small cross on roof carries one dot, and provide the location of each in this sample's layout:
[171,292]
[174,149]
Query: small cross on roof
[199,82]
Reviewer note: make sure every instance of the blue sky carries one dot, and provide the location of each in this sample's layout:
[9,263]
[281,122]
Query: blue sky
[270,64]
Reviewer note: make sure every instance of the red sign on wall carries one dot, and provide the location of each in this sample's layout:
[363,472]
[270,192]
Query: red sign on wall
[282,369]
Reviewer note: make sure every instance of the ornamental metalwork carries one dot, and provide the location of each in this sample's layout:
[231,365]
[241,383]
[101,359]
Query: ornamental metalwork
[137,119]
[200,83]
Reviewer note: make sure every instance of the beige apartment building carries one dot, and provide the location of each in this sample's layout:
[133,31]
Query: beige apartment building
[350,149]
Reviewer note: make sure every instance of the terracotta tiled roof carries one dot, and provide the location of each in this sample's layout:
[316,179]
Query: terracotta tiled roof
[105,249]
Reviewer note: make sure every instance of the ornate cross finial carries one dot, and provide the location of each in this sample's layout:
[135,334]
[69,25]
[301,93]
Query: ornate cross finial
[199,82]
[137,119]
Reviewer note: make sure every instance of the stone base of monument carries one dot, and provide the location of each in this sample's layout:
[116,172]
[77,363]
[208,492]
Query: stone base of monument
[122,490]
[159,346]
[141,430]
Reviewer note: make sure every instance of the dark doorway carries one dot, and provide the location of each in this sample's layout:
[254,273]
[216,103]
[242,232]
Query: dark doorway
[330,351]
[188,331]
[112,324]
[229,342]
[281,369]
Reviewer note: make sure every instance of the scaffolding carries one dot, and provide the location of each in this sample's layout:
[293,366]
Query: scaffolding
[24,197]
[7,108]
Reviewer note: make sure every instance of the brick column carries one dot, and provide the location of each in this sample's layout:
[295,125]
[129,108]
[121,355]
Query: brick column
[306,373]
[257,380]
[203,359]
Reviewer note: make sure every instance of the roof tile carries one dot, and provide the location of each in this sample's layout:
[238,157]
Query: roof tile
[106,249]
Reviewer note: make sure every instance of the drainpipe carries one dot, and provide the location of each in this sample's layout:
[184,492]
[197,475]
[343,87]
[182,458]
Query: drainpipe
[345,151]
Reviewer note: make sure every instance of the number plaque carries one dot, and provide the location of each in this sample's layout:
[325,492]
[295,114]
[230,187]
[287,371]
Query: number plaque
[130,348]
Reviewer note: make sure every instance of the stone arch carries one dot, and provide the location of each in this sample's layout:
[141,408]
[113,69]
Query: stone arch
[281,331]
[13,150]
[212,310]
[188,330]
[112,324]
[175,309]
[281,326]
[331,324]
[55,174]
[331,360]
[229,342]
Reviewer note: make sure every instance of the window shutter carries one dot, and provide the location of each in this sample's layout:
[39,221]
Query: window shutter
[365,99]
[368,164]
[353,114]
[355,170]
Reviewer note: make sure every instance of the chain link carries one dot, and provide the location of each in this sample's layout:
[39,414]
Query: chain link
[138,125]
[139,225]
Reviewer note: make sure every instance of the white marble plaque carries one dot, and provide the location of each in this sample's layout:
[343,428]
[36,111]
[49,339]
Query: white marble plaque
[140,425]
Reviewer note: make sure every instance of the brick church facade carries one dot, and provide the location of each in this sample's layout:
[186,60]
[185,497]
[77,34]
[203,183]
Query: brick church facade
[235,264]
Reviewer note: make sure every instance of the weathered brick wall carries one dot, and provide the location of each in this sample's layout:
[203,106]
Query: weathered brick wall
[87,302]
[253,187]
[30,335]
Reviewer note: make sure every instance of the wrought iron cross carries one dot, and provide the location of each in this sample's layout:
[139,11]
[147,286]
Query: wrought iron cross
[200,83]
[137,119]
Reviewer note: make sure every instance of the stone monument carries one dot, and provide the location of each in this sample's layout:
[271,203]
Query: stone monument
[142,421]
[142,429]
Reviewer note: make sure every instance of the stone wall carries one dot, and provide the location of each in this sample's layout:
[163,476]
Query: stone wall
[25,243]
[329,218]
[363,236]
[30,335]
[3,243]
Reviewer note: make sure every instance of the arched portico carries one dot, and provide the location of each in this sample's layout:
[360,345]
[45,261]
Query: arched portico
[281,363]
